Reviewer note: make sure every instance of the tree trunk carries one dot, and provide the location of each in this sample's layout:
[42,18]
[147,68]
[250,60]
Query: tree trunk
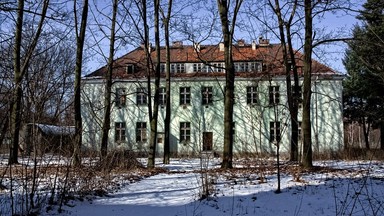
[229,78]
[19,72]
[154,115]
[290,66]
[167,121]
[76,156]
[306,119]
[108,87]
[366,130]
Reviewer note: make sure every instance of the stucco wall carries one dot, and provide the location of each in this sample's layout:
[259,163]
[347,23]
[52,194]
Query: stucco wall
[251,122]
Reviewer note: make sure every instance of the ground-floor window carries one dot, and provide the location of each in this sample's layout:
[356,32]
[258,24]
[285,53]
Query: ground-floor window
[119,131]
[141,131]
[185,131]
[274,132]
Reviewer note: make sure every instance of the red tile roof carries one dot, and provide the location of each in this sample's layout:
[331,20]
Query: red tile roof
[269,54]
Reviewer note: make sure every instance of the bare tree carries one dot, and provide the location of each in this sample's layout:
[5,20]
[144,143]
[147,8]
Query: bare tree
[80,36]
[289,61]
[108,86]
[228,28]
[167,121]
[20,68]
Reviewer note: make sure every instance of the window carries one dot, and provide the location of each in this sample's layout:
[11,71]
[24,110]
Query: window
[141,96]
[178,68]
[185,95]
[185,131]
[251,95]
[119,131]
[121,97]
[255,66]
[162,96]
[162,68]
[197,67]
[141,131]
[274,131]
[130,69]
[217,67]
[300,96]
[206,95]
[274,95]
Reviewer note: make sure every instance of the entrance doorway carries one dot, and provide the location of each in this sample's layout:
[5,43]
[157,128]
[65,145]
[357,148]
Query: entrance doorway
[207,141]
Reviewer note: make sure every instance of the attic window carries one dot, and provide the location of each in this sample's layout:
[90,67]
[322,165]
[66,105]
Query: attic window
[130,69]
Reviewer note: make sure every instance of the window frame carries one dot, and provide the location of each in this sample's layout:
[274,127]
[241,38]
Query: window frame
[141,96]
[185,95]
[274,95]
[275,131]
[162,96]
[141,132]
[130,69]
[120,132]
[185,132]
[252,95]
[121,97]
[206,95]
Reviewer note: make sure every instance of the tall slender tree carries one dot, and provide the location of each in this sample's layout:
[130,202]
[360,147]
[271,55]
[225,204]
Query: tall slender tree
[108,85]
[289,61]
[307,69]
[20,68]
[153,116]
[80,38]
[228,29]
[167,121]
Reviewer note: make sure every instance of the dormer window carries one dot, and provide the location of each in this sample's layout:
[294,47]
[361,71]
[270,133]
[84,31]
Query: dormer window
[130,69]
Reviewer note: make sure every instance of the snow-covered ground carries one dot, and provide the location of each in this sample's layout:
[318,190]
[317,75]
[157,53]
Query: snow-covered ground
[356,189]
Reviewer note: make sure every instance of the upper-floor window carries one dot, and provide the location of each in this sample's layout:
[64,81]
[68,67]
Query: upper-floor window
[119,131]
[274,132]
[162,96]
[141,131]
[299,96]
[121,97]
[255,66]
[177,68]
[162,68]
[130,69]
[206,95]
[241,67]
[174,67]
[274,95]
[141,96]
[185,131]
[185,95]
[218,67]
[197,67]
[251,95]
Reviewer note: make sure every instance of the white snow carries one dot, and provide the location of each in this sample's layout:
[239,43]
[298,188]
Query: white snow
[357,189]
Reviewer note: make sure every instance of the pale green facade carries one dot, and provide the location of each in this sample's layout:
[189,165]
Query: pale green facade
[252,121]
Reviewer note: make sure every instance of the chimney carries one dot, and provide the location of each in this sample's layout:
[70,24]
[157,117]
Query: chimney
[221,46]
[177,43]
[196,46]
[263,42]
[241,42]
[253,45]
